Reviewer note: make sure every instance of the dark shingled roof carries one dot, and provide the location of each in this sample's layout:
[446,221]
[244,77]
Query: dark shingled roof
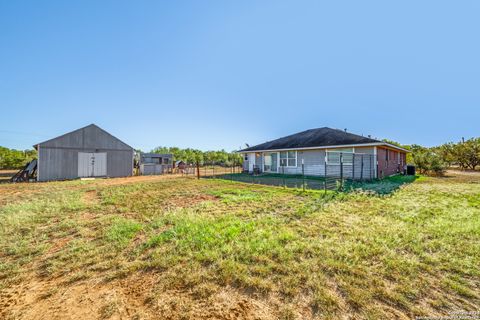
[320,137]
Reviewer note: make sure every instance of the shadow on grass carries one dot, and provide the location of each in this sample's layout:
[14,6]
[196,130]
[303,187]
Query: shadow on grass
[383,186]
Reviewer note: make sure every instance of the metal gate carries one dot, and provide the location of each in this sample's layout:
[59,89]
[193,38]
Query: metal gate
[92,164]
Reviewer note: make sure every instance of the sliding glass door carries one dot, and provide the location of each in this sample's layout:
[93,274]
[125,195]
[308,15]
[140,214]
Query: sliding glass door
[271,162]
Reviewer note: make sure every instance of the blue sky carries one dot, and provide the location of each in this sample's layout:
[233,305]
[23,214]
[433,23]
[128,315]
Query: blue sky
[218,74]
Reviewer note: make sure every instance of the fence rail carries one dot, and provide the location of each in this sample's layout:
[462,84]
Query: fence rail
[334,173]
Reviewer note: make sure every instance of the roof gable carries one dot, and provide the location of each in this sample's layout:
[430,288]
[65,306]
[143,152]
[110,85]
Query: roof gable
[89,137]
[320,137]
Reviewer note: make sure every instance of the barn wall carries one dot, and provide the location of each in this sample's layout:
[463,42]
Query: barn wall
[119,163]
[58,157]
[57,164]
[62,164]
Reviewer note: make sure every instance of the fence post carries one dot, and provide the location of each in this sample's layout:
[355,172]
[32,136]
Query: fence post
[373,166]
[325,167]
[353,166]
[198,170]
[341,171]
[361,172]
[303,175]
[283,177]
[213,171]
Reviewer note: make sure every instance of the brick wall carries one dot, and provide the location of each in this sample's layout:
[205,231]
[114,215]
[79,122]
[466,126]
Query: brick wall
[390,165]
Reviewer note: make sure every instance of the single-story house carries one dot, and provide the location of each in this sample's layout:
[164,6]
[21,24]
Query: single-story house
[155,163]
[86,152]
[321,151]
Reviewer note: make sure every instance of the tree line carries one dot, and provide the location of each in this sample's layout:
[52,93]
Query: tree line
[192,156]
[428,160]
[15,159]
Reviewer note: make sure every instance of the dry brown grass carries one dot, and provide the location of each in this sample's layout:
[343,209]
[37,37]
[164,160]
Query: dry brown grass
[177,248]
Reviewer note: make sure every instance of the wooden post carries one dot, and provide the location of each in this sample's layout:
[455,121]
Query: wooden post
[198,170]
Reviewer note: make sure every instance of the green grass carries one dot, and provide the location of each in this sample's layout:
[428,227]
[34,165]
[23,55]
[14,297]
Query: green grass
[408,248]
[379,186]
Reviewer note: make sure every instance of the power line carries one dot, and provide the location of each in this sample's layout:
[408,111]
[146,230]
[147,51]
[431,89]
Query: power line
[24,133]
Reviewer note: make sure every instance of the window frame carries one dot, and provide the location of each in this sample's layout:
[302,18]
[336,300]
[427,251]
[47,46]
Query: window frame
[335,151]
[287,158]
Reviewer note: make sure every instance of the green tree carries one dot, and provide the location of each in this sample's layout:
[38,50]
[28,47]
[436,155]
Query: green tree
[15,159]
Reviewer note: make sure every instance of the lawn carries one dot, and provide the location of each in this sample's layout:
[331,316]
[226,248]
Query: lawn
[384,186]
[181,248]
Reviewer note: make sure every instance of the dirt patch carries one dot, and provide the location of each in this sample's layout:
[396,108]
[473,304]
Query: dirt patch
[90,197]
[135,179]
[132,298]
[180,201]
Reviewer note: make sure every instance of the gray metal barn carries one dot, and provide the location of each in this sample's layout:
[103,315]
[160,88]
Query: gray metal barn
[86,152]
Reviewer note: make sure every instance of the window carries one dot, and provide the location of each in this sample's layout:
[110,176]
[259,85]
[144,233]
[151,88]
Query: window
[245,157]
[386,154]
[165,160]
[333,156]
[288,158]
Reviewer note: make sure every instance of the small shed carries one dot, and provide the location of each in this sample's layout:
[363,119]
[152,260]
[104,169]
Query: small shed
[86,152]
[155,163]
[181,165]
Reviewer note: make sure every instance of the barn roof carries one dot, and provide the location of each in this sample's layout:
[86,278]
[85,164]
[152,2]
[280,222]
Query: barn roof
[320,137]
[86,137]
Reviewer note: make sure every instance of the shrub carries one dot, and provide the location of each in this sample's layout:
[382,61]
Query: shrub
[429,162]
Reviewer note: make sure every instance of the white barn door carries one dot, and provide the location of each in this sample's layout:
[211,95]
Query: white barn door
[100,164]
[92,164]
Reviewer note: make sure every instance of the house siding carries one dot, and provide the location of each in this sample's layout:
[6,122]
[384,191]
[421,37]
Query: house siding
[392,165]
[314,163]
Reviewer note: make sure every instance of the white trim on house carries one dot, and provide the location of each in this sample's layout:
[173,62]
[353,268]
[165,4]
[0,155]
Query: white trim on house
[373,144]
[287,158]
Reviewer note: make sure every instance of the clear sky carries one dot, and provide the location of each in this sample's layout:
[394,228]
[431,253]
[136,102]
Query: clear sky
[219,74]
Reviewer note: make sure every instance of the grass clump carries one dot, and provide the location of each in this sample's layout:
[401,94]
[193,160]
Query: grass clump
[121,231]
